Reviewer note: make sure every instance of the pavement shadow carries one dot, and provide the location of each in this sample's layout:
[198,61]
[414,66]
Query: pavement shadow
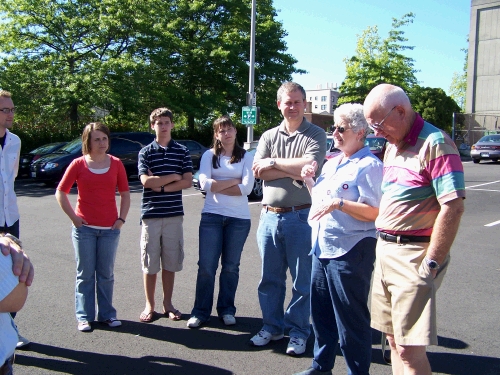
[78,362]
[213,335]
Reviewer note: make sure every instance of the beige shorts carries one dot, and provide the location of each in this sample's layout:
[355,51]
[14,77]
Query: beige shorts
[404,293]
[162,240]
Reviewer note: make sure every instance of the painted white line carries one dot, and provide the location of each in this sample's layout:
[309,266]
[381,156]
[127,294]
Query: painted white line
[498,191]
[492,224]
[486,183]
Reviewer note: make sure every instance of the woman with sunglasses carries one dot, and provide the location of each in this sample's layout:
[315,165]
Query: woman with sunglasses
[226,175]
[345,200]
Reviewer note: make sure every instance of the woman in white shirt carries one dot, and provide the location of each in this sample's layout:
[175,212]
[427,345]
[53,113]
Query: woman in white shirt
[226,175]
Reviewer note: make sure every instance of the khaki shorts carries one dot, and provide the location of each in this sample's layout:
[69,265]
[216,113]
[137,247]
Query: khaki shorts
[162,240]
[404,293]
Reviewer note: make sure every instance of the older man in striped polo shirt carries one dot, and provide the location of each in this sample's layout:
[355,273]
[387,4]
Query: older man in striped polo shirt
[423,190]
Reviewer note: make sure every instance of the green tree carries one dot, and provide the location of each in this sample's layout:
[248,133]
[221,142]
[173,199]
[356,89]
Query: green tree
[378,61]
[434,106]
[458,87]
[66,61]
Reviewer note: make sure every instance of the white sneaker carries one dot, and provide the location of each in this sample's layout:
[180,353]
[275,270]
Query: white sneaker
[112,322]
[296,346]
[193,322]
[263,337]
[22,341]
[84,326]
[229,320]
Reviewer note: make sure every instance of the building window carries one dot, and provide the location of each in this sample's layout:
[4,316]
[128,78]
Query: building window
[323,107]
[323,98]
[315,98]
[310,98]
[315,107]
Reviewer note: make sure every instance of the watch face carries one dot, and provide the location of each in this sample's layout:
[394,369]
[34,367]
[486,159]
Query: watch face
[433,264]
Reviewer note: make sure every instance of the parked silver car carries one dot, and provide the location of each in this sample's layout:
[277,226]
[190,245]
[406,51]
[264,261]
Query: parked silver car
[487,148]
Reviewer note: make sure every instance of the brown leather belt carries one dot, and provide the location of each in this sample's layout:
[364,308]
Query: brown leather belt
[402,239]
[7,366]
[282,210]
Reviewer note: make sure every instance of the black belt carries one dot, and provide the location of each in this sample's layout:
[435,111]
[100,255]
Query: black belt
[281,210]
[402,239]
[7,366]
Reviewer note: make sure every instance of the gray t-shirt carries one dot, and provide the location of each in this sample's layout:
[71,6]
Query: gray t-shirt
[308,141]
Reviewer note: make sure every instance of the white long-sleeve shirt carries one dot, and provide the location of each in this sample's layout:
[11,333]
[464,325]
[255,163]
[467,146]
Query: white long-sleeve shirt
[9,164]
[221,204]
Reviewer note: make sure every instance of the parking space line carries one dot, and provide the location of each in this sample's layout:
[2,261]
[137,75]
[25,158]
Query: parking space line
[492,224]
[486,183]
[498,191]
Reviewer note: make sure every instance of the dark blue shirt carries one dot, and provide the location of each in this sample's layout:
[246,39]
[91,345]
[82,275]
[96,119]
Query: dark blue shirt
[163,161]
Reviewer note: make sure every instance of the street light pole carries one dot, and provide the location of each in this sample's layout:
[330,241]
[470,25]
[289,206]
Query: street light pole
[251,99]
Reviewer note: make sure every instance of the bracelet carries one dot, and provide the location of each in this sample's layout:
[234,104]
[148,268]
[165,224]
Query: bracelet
[121,220]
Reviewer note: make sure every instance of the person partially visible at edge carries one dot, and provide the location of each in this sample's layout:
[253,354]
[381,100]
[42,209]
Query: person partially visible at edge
[165,168]
[9,165]
[345,200]
[16,274]
[226,175]
[96,224]
[422,204]
[283,236]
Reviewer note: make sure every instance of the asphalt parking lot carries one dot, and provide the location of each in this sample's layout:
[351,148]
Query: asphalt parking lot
[468,305]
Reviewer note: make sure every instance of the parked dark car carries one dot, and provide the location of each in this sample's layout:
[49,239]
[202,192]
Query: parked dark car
[196,150]
[27,159]
[377,145]
[124,145]
[256,193]
[331,150]
[487,148]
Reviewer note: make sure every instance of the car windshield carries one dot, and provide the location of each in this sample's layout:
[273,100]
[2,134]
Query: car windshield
[329,142]
[490,138]
[375,144]
[72,147]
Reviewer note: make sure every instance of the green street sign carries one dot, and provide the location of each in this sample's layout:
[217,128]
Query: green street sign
[249,115]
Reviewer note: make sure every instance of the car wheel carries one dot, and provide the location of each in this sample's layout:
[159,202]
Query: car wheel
[257,190]
[494,160]
[476,161]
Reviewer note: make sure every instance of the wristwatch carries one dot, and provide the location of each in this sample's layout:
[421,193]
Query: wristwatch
[433,265]
[272,162]
[341,204]
[162,188]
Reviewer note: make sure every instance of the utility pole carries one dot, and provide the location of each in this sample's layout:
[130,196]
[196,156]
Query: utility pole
[250,110]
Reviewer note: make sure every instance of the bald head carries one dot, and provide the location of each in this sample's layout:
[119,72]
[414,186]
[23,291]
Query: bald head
[389,110]
[385,96]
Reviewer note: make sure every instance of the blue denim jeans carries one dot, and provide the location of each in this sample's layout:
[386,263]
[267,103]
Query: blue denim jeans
[339,308]
[219,237]
[95,252]
[284,242]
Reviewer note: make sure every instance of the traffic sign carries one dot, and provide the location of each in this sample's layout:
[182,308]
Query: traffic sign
[249,115]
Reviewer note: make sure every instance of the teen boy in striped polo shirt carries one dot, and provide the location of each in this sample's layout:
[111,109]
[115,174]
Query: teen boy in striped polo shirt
[165,168]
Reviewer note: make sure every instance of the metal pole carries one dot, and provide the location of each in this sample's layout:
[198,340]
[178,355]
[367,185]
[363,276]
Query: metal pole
[252,70]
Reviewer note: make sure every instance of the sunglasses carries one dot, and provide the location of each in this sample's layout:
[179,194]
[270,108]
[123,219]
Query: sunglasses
[341,129]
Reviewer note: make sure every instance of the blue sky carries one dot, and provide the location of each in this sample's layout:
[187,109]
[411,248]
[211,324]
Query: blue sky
[321,33]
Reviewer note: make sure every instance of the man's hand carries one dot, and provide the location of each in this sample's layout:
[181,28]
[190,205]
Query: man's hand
[262,165]
[22,266]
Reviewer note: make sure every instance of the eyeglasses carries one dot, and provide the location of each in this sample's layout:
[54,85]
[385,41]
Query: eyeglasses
[341,129]
[7,110]
[379,125]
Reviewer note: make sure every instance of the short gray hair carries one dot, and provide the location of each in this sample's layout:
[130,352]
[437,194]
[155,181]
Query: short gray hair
[288,87]
[352,113]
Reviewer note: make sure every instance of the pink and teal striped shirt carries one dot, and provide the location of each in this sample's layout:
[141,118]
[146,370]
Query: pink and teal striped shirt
[420,176]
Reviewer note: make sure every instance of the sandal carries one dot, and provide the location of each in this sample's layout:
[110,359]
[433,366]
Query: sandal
[174,315]
[147,317]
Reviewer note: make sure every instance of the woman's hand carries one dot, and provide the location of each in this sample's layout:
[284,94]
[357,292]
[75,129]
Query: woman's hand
[309,170]
[118,224]
[78,221]
[324,208]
